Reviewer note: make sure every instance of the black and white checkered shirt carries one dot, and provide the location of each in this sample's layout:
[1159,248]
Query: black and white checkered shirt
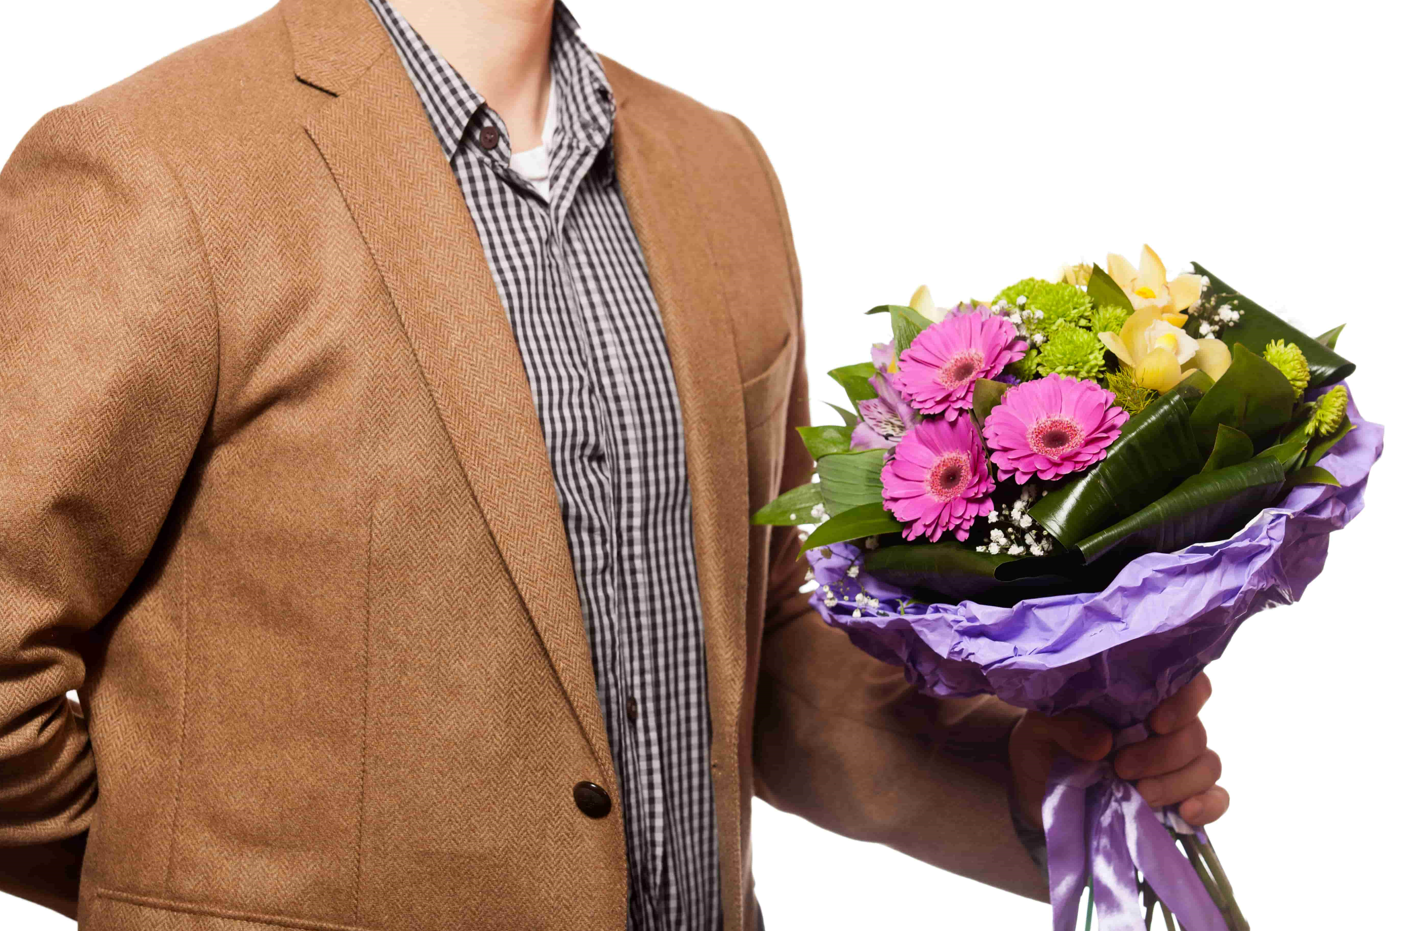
[573,281]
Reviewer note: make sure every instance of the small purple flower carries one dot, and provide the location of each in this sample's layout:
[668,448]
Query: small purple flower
[888,417]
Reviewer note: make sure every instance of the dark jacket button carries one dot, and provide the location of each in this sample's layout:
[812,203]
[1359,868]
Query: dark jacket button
[592,799]
[489,136]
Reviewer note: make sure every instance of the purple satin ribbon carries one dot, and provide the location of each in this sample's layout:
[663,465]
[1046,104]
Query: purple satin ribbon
[1092,816]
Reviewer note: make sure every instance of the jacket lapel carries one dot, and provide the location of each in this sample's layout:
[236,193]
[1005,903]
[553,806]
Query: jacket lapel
[662,198]
[377,142]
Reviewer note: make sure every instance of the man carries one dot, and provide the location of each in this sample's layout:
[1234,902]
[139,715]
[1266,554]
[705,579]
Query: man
[386,393]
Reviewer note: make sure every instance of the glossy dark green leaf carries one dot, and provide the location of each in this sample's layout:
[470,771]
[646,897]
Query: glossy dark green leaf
[1103,290]
[821,441]
[854,379]
[851,420]
[863,521]
[1311,475]
[1155,451]
[1257,326]
[1231,448]
[1289,453]
[1193,387]
[1321,445]
[948,567]
[848,480]
[1252,396]
[987,394]
[907,323]
[1208,506]
[791,508]
[1330,339]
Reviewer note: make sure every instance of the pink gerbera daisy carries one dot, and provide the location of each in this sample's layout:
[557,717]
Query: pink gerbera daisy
[1051,427]
[937,479]
[937,372]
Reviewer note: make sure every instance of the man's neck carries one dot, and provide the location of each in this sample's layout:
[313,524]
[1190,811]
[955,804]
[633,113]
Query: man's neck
[500,47]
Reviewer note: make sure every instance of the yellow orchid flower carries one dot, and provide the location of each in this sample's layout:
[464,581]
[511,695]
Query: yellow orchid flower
[922,301]
[1152,344]
[1147,287]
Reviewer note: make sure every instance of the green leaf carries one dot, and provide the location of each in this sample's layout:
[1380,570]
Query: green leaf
[1311,475]
[947,567]
[1208,506]
[1103,290]
[850,420]
[862,521]
[848,480]
[1289,453]
[1231,448]
[1252,396]
[1155,451]
[987,394]
[854,379]
[1330,339]
[821,441]
[791,508]
[1321,445]
[1193,387]
[1257,327]
[907,323]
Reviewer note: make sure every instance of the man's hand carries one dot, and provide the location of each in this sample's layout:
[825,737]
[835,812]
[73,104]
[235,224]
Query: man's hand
[1171,766]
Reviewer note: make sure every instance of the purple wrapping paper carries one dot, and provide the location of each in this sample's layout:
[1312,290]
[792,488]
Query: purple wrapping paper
[1118,653]
[1121,651]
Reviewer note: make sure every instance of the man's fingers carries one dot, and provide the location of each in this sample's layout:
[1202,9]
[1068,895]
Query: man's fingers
[1080,735]
[1208,806]
[1198,776]
[1156,756]
[1181,708]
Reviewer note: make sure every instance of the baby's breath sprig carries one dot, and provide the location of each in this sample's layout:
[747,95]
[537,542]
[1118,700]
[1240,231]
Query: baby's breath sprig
[1015,532]
[1216,311]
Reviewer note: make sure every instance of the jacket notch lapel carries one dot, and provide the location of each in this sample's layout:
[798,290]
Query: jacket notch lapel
[662,199]
[378,144]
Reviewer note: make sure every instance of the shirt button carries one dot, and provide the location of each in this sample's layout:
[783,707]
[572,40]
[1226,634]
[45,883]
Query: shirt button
[489,137]
[592,799]
[631,709]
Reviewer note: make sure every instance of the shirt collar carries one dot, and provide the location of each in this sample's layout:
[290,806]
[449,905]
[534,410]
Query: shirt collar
[457,111]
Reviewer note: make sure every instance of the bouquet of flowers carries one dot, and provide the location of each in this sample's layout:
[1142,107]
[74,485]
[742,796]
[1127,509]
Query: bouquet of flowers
[1070,497]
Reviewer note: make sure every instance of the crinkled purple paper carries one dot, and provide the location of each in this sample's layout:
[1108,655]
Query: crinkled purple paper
[1121,651]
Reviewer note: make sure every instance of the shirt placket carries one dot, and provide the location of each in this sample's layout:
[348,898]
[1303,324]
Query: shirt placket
[573,158]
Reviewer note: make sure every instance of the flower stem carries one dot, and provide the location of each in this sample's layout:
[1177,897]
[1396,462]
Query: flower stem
[1192,850]
[1150,900]
[1090,899]
[1169,918]
[1212,860]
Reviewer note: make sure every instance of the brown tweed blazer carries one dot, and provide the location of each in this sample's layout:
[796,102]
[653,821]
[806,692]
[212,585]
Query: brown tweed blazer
[274,499]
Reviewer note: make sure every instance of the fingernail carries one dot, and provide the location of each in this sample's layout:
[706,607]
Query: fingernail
[1190,811]
[1126,768]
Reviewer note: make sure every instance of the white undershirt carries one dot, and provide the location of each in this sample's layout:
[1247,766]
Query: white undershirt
[532,164]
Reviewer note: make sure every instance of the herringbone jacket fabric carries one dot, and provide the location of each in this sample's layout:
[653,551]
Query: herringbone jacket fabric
[274,499]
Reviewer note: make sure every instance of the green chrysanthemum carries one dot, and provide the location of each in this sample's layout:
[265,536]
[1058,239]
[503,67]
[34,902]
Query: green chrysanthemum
[1025,367]
[1129,395]
[1061,304]
[1108,318]
[1074,352]
[1289,359]
[1328,413]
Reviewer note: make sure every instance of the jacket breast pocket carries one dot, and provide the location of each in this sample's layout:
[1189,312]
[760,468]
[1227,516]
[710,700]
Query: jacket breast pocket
[766,393]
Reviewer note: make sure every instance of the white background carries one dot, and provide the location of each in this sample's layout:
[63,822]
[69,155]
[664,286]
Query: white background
[967,146]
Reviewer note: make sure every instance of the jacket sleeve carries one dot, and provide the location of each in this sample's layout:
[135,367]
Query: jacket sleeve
[108,346]
[843,740]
